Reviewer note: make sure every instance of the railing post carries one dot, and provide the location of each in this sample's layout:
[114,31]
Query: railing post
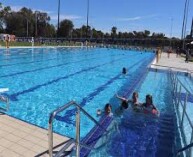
[191,141]
[184,109]
[50,137]
[179,96]
[176,92]
[7,104]
[174,83]
[78,132]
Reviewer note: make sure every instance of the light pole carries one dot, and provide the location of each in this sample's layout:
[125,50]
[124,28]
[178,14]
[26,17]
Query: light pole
[27,26]
[58,18]
[171,32]
[184,22]
[87,19]
[36,16]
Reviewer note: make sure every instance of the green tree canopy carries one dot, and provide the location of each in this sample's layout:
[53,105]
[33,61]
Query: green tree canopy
[66,27]
[113,32]
[26,22]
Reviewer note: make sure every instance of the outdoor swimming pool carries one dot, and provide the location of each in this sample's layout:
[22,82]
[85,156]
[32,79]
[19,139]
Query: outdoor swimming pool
[40,80]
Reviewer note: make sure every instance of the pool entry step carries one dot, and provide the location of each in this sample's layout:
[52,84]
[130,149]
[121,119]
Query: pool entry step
[166,135]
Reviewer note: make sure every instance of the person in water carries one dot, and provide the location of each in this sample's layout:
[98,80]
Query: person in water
[124,102]
[135,103]
[99,112]
[124,71]
[108,109]
[148,105]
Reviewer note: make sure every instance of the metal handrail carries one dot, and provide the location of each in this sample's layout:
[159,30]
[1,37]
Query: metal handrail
[60,109]
[183,106]
[177,83]
[187,90]
[5,100]
[170,67]
[184,148]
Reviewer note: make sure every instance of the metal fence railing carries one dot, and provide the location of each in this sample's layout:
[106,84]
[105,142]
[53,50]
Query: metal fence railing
[180,103]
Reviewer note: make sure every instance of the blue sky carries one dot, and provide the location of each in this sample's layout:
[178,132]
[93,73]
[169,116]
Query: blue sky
[126,15]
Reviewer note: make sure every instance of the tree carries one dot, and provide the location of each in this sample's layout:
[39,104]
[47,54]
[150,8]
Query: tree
[120,35]
[1,18]
[146,33]
[4,12]
[158,35]
[84,30]
[66,26]
[28,21]
[113,32]
[97,33]
[14,24]
[50,31]
[76,33]
[42,22]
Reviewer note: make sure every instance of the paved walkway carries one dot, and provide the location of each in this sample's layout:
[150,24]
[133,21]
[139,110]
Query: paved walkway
[20,139]
[173,61]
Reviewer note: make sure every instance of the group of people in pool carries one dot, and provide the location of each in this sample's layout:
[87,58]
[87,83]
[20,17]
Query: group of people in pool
[147,108]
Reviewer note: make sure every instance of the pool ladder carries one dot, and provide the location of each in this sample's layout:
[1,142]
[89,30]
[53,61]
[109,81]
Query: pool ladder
[4,99]
[77,140]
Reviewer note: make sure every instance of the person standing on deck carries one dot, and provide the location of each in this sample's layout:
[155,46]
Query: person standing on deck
[7,41]
[187,55]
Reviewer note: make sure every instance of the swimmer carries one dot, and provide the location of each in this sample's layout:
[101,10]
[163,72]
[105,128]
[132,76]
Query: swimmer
[99,112]
[108,109]
[124,71]
[134,101]
[148,105]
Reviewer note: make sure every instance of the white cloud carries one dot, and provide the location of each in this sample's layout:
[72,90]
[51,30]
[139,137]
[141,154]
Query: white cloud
[17,8]
[137,18]
[62,17]
[130,19]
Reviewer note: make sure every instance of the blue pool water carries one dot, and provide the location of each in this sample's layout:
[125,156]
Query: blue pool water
[136,135]
[40,80]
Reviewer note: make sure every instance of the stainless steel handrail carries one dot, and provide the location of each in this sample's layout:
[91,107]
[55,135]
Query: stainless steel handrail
[177,86]
[60,109]
[184,148]
[187,90]
[170,67]
[5,100]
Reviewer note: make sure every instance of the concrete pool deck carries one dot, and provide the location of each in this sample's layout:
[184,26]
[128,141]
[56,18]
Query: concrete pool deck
[174,62]
[20,139]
